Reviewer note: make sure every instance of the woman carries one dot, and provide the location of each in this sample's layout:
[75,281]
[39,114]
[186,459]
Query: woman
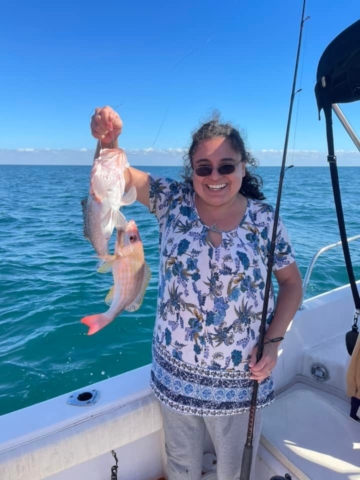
[214,242]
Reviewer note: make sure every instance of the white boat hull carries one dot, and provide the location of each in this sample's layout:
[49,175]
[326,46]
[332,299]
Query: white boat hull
[56,441]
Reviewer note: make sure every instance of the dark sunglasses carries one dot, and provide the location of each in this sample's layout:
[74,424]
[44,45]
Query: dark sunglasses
[225,169]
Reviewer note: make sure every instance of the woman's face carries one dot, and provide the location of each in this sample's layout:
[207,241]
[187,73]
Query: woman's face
[217,189]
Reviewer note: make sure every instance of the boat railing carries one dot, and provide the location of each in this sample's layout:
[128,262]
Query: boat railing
[312,263]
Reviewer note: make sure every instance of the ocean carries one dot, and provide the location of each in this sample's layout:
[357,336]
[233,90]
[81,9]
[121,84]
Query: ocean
[48,278]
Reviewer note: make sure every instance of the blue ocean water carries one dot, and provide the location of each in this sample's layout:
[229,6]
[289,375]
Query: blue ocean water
[48,277]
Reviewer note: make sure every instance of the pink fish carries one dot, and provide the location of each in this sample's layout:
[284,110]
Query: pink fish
[131,277]
[106,196]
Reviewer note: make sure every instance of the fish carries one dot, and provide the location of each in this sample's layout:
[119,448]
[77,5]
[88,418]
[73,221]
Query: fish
[101,209]
[131,276]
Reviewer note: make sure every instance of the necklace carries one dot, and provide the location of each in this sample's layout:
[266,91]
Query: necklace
[214,227]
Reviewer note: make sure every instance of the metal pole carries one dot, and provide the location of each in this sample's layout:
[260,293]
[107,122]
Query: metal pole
[346,125]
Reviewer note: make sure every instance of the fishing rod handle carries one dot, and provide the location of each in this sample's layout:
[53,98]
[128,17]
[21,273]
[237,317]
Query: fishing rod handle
[246,462]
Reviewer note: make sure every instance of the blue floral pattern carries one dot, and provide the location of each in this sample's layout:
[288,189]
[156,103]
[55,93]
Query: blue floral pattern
[210,303]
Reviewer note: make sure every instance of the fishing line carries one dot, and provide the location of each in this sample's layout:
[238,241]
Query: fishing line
[296,122]
[171,70]
[191,53]
[182,59]
[160,128]
[300,89]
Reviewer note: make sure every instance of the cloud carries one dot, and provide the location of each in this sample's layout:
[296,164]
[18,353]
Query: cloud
[164,152]
[84,156]
[169,156]
[306,158]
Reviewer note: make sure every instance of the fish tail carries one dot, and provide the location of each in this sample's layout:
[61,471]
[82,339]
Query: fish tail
[96,322]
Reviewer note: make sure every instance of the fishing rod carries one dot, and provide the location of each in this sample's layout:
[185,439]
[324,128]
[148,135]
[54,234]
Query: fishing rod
[248,448]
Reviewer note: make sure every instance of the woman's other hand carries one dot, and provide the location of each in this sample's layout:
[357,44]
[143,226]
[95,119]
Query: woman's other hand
[106,125]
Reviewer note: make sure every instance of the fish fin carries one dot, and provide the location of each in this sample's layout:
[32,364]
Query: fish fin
[96,322]
[84,207]
[104,268]
[99,188]
[107,258]
[99,264]
[106,218]
[108,263]
[129,197]
[119,220]
[110,296]
[136,304]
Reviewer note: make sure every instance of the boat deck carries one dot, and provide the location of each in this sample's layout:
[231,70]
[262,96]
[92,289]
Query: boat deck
[309,431]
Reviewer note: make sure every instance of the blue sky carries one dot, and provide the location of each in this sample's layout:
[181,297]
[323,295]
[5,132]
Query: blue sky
[165,66]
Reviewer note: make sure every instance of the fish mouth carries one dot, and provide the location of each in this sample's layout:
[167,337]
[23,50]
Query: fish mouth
[132,231]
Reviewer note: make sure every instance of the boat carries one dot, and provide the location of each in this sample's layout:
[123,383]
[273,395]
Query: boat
[113,429]
[307,432]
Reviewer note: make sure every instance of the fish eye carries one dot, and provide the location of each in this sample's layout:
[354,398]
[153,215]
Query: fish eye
[132,238]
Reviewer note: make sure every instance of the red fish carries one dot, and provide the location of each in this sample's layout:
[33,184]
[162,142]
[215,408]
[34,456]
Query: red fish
[131,277]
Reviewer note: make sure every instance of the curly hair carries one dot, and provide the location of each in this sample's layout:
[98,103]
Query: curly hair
[252,183]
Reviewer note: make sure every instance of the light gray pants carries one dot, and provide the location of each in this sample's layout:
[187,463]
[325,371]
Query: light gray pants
[184,443]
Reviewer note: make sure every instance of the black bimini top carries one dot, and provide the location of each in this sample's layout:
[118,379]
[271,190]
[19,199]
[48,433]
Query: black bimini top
[340,66]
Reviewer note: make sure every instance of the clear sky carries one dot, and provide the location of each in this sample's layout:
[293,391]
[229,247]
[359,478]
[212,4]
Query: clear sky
[164,66]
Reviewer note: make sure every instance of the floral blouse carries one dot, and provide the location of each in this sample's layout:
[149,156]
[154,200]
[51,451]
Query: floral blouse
[210,303]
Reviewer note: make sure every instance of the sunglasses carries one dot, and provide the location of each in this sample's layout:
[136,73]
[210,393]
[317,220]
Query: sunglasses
[225,169]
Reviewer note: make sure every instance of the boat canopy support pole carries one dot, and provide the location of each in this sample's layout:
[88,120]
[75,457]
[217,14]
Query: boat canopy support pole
[338,204]
[338,81]
[337,110]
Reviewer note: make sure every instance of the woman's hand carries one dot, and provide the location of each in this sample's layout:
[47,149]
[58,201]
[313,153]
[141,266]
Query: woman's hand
[264,367]
[106,125]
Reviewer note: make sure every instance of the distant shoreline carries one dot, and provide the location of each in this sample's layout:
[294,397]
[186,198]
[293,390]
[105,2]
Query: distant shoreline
[171,157]
[159,166]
